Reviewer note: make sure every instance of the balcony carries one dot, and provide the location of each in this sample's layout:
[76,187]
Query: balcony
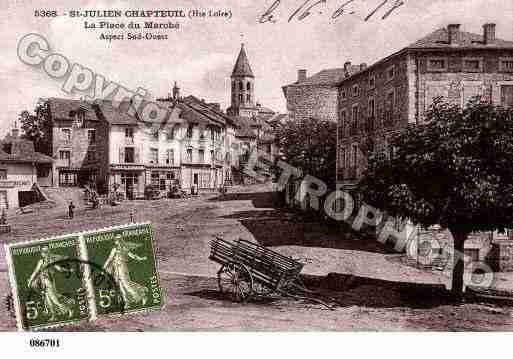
[129,140]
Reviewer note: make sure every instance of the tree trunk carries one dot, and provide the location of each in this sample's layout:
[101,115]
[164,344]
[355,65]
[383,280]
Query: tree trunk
[458,265]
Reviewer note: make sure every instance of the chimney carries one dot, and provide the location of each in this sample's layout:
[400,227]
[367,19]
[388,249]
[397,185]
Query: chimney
[301,75]
[363,66]
[488,33]
[453,30]
[176,92]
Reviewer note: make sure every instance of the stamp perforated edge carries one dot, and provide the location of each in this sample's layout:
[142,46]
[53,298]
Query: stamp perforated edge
[14,286]
[162,296]
[83,254]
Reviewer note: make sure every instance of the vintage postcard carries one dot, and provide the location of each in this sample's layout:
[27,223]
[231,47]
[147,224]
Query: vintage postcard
[256,166]
[47,283]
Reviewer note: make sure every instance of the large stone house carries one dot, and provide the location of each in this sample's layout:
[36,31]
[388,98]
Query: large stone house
[397,90]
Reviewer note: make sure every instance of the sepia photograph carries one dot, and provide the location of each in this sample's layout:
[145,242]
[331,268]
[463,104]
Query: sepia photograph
[253,166]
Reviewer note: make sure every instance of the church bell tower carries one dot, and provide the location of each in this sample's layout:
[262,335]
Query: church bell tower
[243,87]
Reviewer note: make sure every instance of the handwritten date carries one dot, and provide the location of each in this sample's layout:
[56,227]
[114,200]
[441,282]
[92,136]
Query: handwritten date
[309,6]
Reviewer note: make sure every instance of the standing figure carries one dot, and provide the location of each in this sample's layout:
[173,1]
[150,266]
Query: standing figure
[42,280]
[71,209]
[117,266]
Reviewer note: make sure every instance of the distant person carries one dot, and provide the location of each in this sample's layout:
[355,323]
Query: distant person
[71,209]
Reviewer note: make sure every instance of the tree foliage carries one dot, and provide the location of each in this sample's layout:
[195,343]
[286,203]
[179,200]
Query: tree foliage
[454,170]
[35,127]
[309,145]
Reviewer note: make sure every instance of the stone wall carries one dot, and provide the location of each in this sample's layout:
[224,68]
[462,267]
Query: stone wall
[312,101]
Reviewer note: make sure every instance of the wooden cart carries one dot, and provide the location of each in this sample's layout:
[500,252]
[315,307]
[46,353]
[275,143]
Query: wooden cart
[249,270]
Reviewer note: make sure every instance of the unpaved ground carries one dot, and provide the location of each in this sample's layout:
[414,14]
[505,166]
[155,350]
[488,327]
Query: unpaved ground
[374,291]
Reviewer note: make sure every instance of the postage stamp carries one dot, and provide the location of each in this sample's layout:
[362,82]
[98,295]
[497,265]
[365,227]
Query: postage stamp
[47,282]
[124,256]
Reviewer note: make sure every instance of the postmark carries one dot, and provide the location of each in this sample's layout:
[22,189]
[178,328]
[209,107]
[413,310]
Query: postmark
[126,255]
[48,287]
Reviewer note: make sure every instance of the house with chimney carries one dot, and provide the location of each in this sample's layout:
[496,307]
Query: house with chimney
[317,96]
[21,169]
[381,99]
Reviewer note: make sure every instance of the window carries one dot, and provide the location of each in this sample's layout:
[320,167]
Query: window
[248,98]
[129,155]
[66,134]
[212,156]
[91,137]
[248,86]
[354,118]
[79,119]
[437,64]
[190,129]
[342,157]
[390,73]
[154,155]
[372,108]
[201,156]
[506,64]
[155,177]
[472,65]
[170,157]
[356,91]
[507,95]
[91,155]
[189,155]
[343,123]
[372,81]
[170,134]
[241,86]
[241,98]
[390,100]
[344,94]
[355,155]
[155,135]
[3,174]
[129,132]
[64,155]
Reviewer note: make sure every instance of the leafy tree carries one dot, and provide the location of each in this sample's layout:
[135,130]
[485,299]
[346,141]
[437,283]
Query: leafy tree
[36,127]
[455,170]
[309,145]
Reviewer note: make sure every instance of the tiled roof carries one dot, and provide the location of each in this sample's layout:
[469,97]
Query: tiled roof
[328,77]
[206,110]
[115,113]
[440,39]
[21,150]
[64,109]
[242,67]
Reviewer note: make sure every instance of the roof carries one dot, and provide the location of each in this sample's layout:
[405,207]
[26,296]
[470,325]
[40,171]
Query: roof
[21,150]
[242,67]
[440,39]
[328,77]
[65,109]
[115,113]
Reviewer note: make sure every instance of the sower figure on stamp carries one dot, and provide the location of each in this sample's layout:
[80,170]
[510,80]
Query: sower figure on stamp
[117,266]
[42,280]
[71,209]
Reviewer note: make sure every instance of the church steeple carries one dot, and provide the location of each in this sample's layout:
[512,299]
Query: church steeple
[242,85]
[242,67]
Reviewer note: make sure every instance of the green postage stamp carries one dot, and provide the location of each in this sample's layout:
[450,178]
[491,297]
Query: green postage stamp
[47,282]
[123,257]
[77,277]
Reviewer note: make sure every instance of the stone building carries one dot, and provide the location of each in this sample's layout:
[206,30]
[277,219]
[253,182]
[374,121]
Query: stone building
[317,96]
[397,90]
[78,140]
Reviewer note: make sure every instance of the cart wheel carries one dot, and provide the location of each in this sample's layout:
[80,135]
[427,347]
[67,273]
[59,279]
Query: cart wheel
[236,280]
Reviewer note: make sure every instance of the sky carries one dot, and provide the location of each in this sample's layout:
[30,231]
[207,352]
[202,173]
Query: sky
[201,54]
